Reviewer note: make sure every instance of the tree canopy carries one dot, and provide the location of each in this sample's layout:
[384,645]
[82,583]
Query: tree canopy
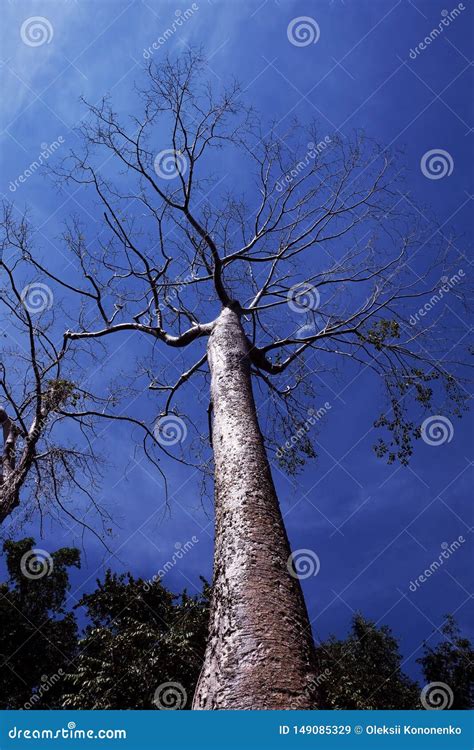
[319,253]
[143,646]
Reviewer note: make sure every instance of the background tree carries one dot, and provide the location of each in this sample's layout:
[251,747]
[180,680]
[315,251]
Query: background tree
[140,638]
[451,661]
[49,421]
[363,671]
[38,638]
[36,384]
[313,265]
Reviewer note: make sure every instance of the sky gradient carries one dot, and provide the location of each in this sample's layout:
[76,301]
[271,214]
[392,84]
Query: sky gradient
[375,528]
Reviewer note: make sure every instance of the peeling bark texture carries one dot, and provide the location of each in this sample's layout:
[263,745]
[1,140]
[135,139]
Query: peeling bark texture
[260,648]
[9,489]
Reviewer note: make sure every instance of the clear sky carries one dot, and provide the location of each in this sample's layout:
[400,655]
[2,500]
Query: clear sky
[374,527]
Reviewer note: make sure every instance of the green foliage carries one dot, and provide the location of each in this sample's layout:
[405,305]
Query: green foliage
[404,431]
[410,390]
[59,392]
[141,636]
[451,661]
[296,446]
[38,638]
[364,671]
[381,333]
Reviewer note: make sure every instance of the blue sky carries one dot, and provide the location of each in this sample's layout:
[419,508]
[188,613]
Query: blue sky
[374,527]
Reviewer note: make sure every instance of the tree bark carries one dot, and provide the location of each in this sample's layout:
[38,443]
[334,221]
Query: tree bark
[260,648]
[9,485]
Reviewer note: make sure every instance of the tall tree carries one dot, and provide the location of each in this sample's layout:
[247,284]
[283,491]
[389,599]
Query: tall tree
[312,266]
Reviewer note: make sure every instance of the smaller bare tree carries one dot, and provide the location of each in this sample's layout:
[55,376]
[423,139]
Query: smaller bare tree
[50,421]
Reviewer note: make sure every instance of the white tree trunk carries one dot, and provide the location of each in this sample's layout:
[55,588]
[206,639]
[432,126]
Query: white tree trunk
[260,648]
